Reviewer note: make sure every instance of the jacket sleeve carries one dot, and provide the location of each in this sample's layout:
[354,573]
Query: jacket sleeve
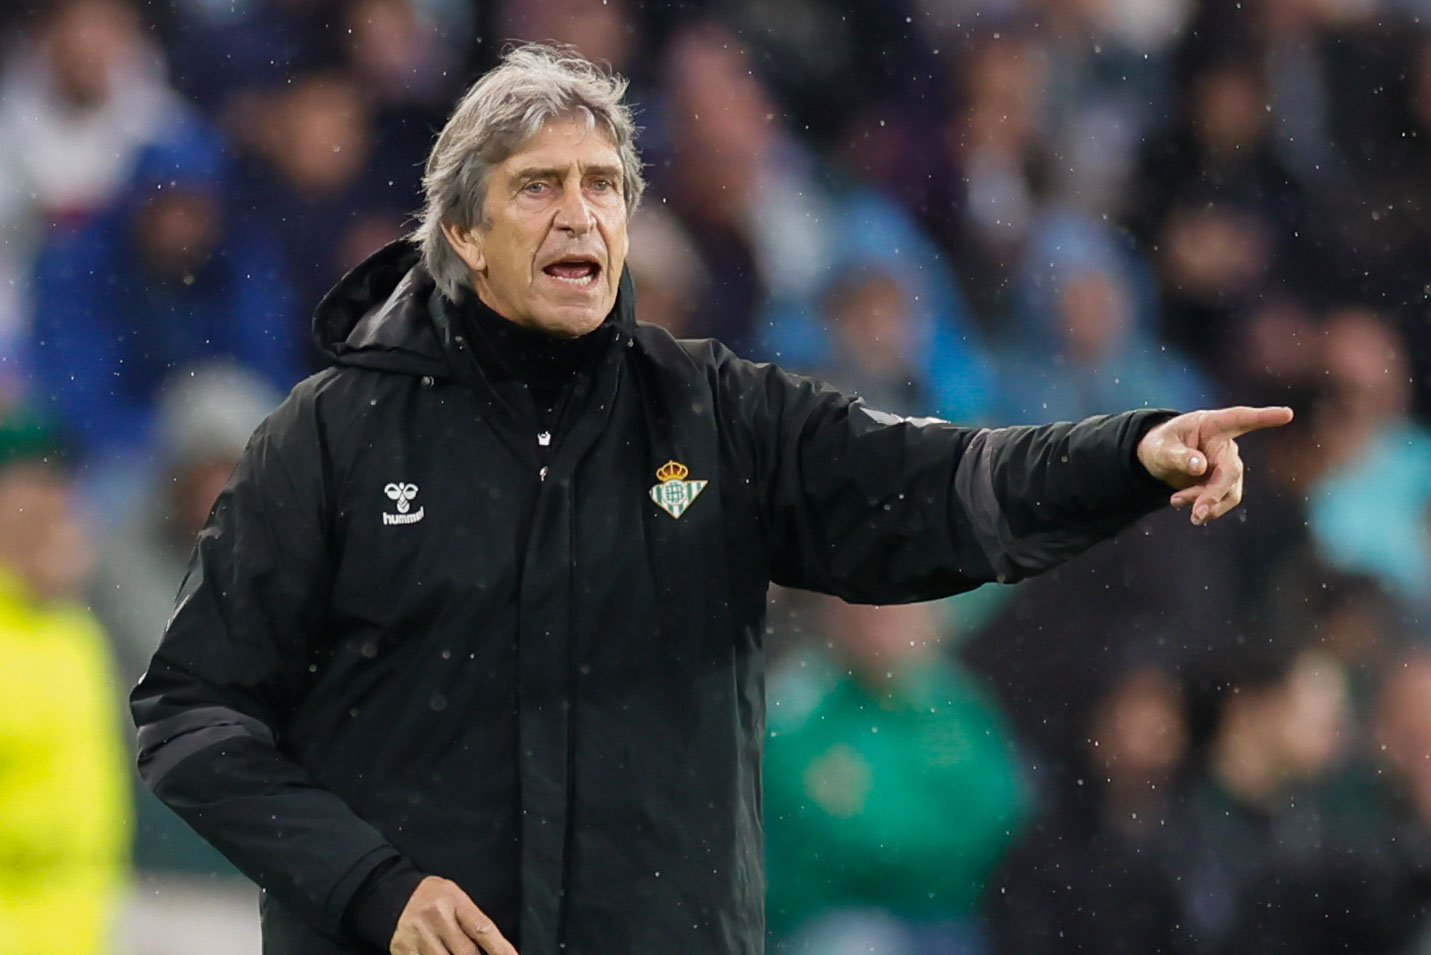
[876,508]
[234,662]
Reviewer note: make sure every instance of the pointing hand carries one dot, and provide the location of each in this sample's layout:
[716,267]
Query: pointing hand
[1196,454]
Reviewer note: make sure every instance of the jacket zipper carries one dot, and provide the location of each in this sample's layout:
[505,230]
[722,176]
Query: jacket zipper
[544,443]
[552,423]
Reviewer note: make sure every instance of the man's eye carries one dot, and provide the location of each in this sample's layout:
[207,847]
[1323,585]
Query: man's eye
[534,188]
[603,185]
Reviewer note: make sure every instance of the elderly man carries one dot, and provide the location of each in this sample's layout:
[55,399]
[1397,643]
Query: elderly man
[469,654]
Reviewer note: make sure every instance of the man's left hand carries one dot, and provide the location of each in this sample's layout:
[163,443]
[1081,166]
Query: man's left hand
[1196,454]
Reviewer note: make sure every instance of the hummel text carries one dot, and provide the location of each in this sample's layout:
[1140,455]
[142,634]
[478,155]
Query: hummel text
[411,518]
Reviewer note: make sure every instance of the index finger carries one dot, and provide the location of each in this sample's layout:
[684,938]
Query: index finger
[1242,419]
[483,931]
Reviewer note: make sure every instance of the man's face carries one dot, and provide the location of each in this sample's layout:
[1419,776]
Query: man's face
[551,253]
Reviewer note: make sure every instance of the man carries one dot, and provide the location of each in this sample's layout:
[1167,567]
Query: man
[469,654]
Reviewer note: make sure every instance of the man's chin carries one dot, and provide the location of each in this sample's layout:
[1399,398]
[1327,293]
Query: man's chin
[572,321]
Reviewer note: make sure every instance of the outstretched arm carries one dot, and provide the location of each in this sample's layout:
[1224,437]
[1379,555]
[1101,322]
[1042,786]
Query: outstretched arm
[880,509]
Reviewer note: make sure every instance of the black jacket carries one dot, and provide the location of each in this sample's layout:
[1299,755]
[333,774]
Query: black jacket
[416,638]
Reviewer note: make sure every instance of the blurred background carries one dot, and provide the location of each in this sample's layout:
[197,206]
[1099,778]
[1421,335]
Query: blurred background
[1190,740]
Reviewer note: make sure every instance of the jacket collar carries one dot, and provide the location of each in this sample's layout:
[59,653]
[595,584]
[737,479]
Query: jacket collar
[387,313]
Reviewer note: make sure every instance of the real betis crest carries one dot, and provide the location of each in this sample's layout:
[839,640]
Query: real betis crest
[674,494]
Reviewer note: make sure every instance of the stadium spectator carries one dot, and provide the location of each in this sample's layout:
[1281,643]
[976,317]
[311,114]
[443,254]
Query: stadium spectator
[1369,507]
[64,807]
[665,264]
[603,32]
[1084,878]
[1381,228]
[1112,605]
[85,97]
[1250,822]
[939,342]
[226,57]
[868,319]
[406,68]
[871,57]
[757,201]
[1108,85]
[171,274]
[719,142]
[313,181]
[1402,737]
[1081,336]
[1225,218]
[204,416]
[81,95]
[993,165]
[186,893]
[891,788]
[1314,875]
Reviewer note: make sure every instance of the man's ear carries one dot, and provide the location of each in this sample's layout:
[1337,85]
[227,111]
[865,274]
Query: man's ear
[467,243]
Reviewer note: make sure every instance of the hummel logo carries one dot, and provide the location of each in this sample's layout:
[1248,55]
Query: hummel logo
[403,495]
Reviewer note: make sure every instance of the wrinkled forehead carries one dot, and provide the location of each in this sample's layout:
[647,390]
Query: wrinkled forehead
[569,139]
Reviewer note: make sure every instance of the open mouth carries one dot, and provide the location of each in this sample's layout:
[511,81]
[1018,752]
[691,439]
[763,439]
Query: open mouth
[576,270]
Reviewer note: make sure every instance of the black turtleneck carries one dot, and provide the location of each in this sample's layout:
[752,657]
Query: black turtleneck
[507,351]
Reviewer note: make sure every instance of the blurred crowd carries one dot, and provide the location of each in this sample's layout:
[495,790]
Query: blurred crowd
[1190,740]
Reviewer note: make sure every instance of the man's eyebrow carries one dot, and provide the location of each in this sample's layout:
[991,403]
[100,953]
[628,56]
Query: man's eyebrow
[539,172]
[556,172]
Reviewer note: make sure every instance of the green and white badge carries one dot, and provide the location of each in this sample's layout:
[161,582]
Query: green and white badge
[674,494]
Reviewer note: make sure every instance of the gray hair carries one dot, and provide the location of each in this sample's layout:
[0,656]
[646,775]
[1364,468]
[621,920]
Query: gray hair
[505,108]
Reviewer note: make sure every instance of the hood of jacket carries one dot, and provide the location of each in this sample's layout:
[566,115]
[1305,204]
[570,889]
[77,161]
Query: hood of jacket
[388,314]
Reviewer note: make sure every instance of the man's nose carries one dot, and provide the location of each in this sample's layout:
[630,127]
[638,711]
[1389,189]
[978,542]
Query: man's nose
[574,212]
